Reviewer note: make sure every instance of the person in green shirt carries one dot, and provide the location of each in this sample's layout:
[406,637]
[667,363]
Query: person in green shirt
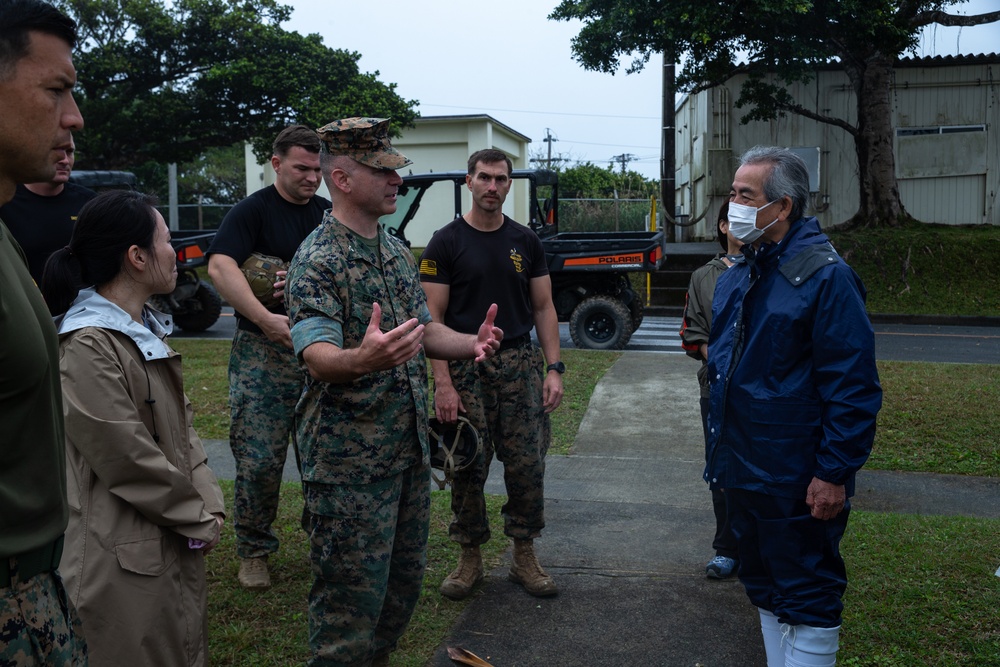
[37,117]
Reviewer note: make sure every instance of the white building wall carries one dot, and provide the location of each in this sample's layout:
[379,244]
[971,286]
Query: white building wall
[950,177]
[444,143]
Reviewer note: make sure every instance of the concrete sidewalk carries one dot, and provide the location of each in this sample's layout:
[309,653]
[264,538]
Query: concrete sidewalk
[629,529]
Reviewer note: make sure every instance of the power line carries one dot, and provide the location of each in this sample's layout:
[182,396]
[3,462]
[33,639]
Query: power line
[547,113]
[591,143]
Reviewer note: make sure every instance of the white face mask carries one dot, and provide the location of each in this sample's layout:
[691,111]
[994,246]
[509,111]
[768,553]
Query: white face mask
[743,221]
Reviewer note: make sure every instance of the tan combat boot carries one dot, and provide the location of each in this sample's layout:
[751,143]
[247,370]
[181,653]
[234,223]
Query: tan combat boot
[458,585]
[253,573]
[527,572]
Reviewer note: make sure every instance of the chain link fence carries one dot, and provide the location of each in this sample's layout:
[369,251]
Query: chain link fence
[575,215]
[198,216]
[603,215]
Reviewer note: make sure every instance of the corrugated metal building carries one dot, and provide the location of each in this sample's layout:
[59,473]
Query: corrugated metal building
[946,112]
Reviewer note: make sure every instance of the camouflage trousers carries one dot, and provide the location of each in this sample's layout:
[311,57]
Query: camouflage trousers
[368,547]
[265,382]
[503,400]
[39,626]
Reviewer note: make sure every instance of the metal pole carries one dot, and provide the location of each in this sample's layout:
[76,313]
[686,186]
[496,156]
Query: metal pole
[668,200]
[174,213]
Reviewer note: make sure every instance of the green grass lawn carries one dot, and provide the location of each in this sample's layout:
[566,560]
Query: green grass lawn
[205,379]
[922,592]
[922,587]
[270,627]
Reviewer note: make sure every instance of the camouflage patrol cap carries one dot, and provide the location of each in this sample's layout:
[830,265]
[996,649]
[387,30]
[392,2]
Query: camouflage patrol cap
[363,139]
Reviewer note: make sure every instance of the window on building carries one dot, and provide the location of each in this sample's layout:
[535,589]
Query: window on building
[945,129]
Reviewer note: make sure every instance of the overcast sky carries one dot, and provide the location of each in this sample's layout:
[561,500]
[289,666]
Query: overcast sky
[506,59]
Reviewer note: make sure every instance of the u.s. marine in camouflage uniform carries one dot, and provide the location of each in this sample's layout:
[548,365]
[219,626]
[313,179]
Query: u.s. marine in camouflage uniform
[484,256]
[360,324]
[265,380]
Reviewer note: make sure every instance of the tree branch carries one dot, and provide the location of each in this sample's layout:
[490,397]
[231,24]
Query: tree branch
[944,18]
[819,118]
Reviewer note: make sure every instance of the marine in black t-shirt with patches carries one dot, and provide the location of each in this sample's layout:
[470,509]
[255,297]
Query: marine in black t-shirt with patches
[481,258]
[265,379]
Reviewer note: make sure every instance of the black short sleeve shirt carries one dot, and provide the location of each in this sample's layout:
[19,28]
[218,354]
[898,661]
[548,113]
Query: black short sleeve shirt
[267,223]
[481,268]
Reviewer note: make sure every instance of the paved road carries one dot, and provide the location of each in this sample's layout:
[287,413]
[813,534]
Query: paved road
[893,342]
[926,342]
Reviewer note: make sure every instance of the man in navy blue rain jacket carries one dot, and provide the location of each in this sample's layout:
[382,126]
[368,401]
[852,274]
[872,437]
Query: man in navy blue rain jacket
[794,395]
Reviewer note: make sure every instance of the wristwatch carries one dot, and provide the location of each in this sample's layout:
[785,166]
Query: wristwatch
[558,367]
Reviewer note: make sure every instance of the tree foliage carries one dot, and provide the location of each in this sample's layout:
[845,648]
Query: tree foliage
[164,81]
[777,42]
[590,181]
[217,176]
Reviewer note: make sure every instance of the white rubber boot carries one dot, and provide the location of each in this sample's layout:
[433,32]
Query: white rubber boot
[808,646]
[771,629]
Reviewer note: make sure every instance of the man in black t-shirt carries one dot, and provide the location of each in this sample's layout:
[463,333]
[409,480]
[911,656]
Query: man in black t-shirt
[481,258]
[41,216]
[265,379]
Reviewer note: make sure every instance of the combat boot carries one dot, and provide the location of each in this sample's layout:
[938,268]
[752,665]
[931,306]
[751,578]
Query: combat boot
[458,585]
[381,660]
[253,573]
[527,572]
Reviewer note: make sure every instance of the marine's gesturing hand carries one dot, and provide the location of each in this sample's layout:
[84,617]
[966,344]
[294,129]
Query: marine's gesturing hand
[384,350]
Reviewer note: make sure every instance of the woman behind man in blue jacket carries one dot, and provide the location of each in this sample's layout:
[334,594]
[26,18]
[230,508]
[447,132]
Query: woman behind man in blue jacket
[793,401]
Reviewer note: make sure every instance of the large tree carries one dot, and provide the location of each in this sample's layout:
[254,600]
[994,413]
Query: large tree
[164,80]
[777,42]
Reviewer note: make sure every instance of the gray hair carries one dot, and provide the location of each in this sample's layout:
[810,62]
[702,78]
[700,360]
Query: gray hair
[788,176]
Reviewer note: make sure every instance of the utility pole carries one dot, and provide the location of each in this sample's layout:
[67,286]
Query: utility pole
[668,197]
[624,159]
[548,139]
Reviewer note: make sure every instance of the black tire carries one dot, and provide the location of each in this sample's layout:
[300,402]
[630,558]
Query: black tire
[600,323]
[204,309]
[638,310]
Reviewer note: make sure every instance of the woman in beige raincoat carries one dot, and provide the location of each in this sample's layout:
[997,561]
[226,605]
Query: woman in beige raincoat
[144,506]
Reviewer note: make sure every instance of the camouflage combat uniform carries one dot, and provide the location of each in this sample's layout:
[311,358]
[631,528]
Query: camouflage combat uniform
[265,379]
[503,399]
[362,446]
[502,395]
[39,626]
[265,382]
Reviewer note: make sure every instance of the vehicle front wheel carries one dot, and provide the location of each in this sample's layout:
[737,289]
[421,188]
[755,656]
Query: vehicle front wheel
[601,323]
[201,311]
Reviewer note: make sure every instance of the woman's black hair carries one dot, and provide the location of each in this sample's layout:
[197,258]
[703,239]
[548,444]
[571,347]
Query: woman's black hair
[107,226]
[723,215]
